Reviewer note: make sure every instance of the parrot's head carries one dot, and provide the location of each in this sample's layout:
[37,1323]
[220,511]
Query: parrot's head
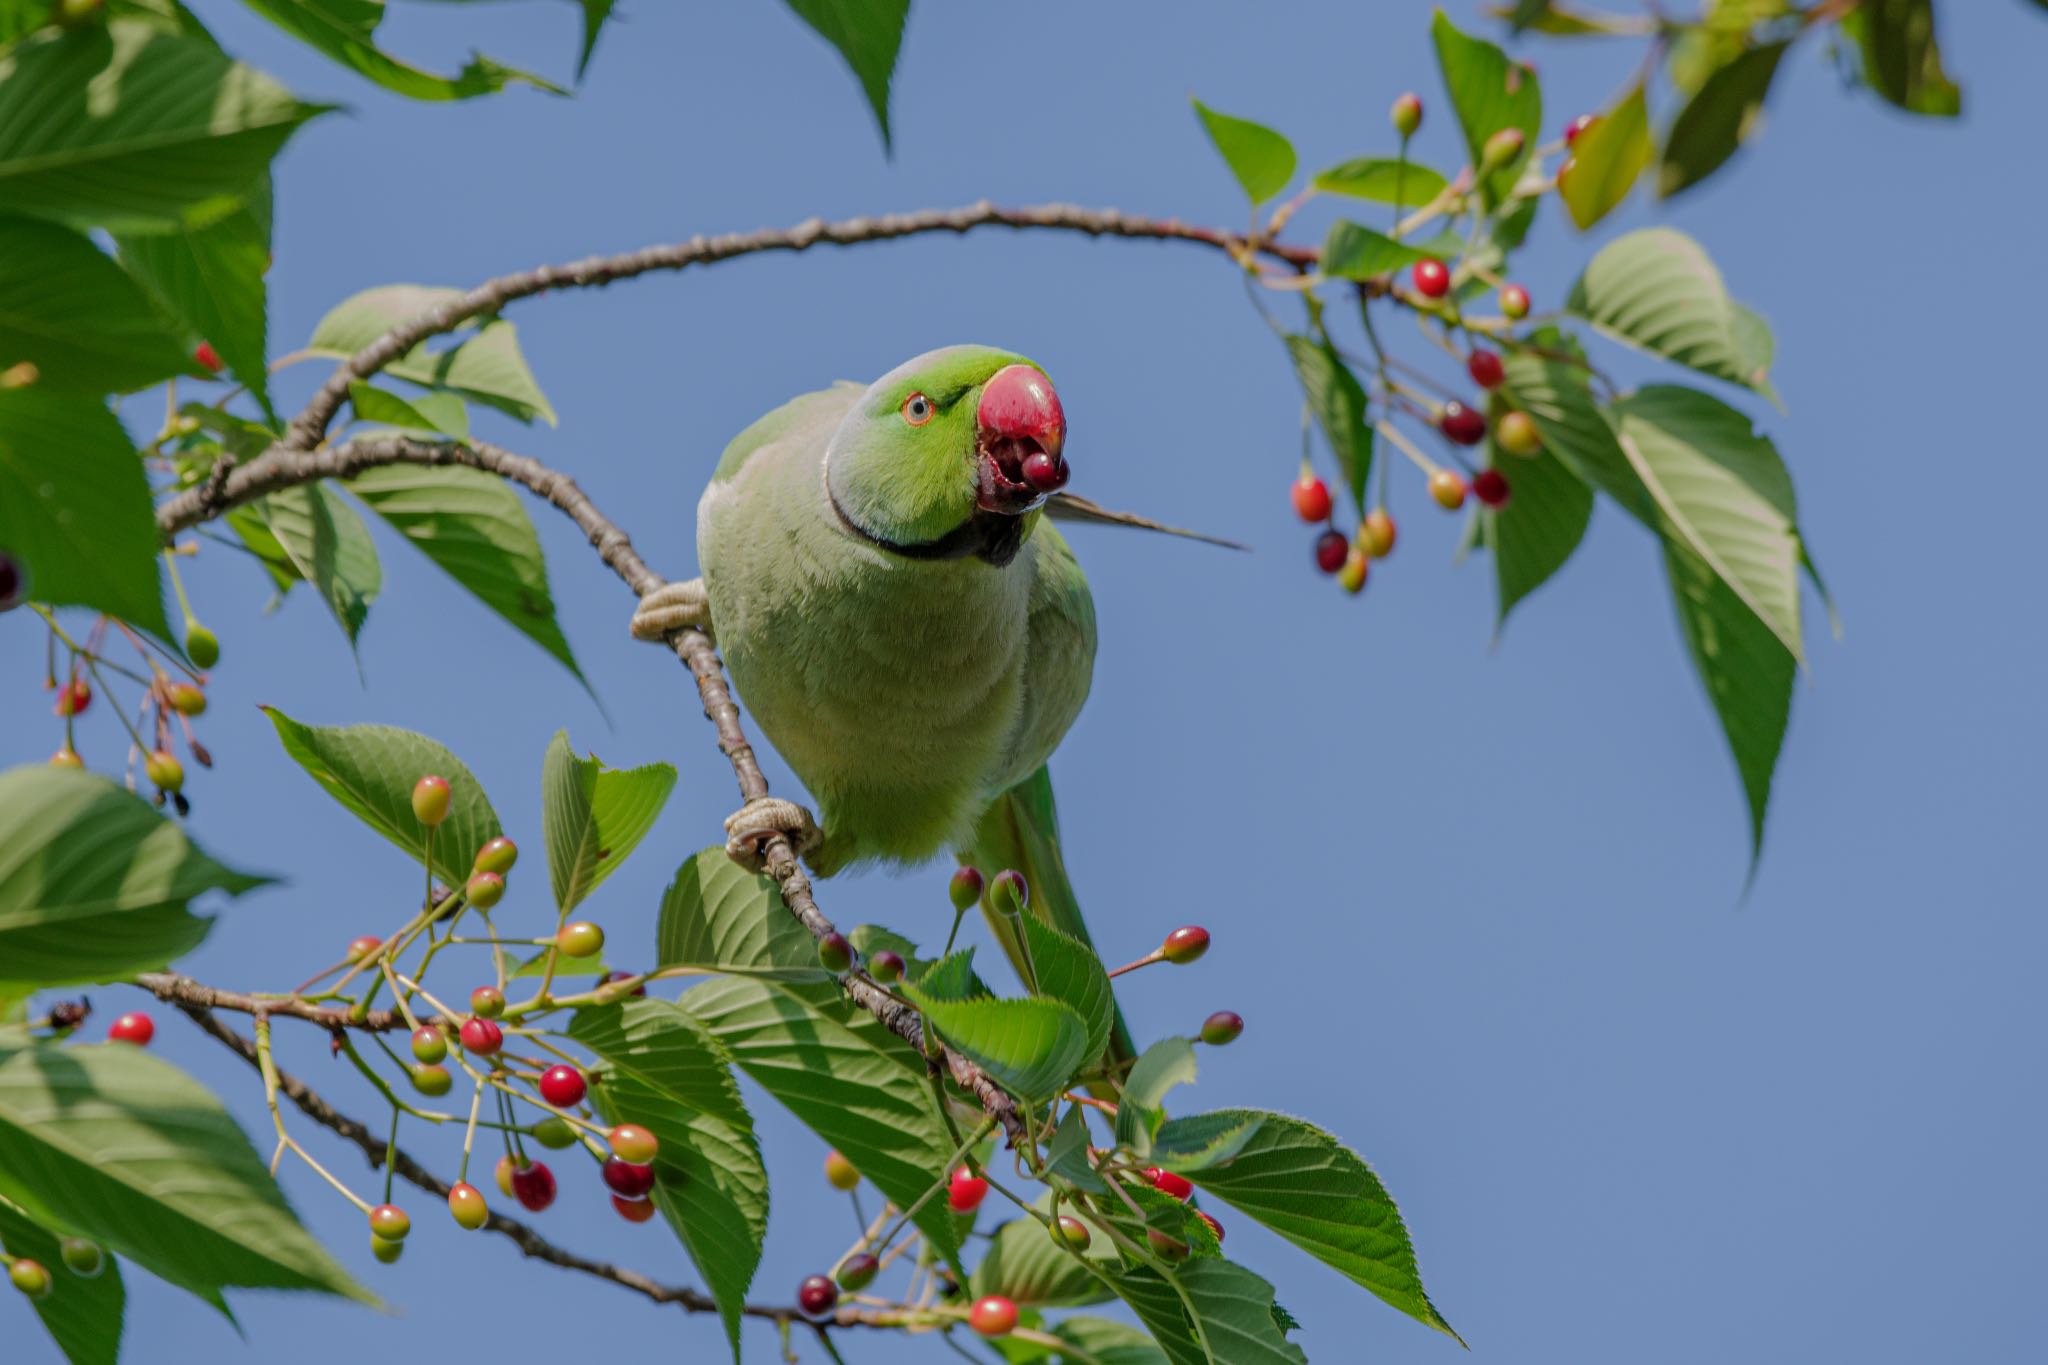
[948,455]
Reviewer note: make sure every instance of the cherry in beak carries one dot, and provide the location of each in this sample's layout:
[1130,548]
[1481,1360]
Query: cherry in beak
[1020,430]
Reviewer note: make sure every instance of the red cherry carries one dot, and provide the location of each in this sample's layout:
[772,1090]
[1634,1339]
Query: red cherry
[1166,1182]
[966,1190]
[1009,893]
[1490,486]
[482,1036]
[633,1210]
[1311,499]
[631,1142]
[390,1222]
[1185,944]
[816,1295]
[134,1027]
[562,1086]
[207,356]
[993,1316]
[628,1178]
[1432,278]
[886,966]
[1331,547]
[534,1187]
[359,949]
[858,1271]
[835,951]
[1214,1226]
[73,698]
[1045,472]
[1466,426]
[613,978]
[1577,126]
[1485,368]
[1222,1027]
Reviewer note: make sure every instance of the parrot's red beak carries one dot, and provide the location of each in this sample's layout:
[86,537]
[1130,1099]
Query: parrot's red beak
[1019,430]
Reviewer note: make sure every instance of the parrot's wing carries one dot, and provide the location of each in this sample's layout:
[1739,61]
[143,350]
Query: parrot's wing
[1074,507]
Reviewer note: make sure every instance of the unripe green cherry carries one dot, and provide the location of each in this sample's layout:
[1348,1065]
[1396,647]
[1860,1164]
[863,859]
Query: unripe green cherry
[1222,1027]
[631,1142]
[836,952]
[384,1249]
[1500,149]
[433,1080]
[1352,574]
[487,1002]
[503,1174]
[163,768]
[66,758]
[839,1172]
[389,1222]
[429,1045]
[431,799]
[497,856]
[886,966]
[554,1133]
[858,1271]
[1009,893]
[1406,115]
[201,645]
[82,1258]
[1376,532]
[360,948]
[1516,434]
[485,889]
[1185,944]
[1447,486]
[965,887]
[466,1205]
[1514,301]
[187,700]
[581,939]
[29,1277]
[1070,1231]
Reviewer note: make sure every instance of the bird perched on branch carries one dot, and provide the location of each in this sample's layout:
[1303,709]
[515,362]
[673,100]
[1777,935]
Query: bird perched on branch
[902,620]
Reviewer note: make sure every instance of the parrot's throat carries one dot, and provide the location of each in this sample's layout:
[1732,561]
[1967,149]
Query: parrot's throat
[991,537]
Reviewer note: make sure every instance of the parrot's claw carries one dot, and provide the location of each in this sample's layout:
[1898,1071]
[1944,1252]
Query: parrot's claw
[747,828]
[670,608]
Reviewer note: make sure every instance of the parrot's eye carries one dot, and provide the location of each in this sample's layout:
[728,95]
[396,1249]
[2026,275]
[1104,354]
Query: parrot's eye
[917,409]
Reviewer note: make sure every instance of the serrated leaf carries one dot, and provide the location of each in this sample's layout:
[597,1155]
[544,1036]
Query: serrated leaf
[1162,1066]
[1067,970]
[1025,1265]
[1337,400]
[1209,1312]
[131,1152]
[1655,289]
[1066,1155]
[487,367]
[1260,159]
[330,547]
[1196,1142]
[345,31]
[856,1086]
[868,34]
[1606,160]
[83,1316]
[473,526]
[952,977]
[1718,119]
[1722,491]
[1533,536]
[1352,252]
[1305,1185]
[1029,1047]
[1901,59]
[1384,180]
[67,309]
[132,127]
[718,916]
[594,816]
[1488,92]
[75,507]
[94,884]
[211,279]
[371,770]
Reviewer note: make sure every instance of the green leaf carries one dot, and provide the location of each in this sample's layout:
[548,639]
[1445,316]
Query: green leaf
[594,816]
[75,509]
[1533,536]
[211,280]
[133,1153]
[472,525]
[344,30]
[371,770]
[1029,1047]
[1718,119]
[1338,402]
[1655,289]
[668,1074]
[133,127]
[1103,1341]
[1208,1312]
[1722,491]
[83,1316]
[1067,970]
[1066,1155]
[595,13]
[1489,93]
[868,34]
[1025,1265]
[1162,1066]
[1746,670]
[330,547]
[66,308]
[1198,1141]
[1305,1185]
[1352,252]
[855,1085]
[488,367]
[718,916]
[1384,180]
[1558,395]
[952,977]
[1901,60]
[94,884]
[1261,159]
[427,414]
[1606,160]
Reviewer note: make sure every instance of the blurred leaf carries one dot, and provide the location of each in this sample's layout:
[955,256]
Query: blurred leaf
[211,280]
[1025,1265]
[1384,180]
[595,13]
[1718,119]
[1562,21]
[1901,60]
[133,1153]
[1101,1341]
[1261,159]
[668,1074]
[1338,402]
[1208,1312]
[1320,1195]
[426,414]
[132,127]
[83,1316]
[75,508]
[1031,1048]
[1746,670]
[1162,1066]
[1489,93]
[1533,536]
[719,916]
[868,34]
[94,884]
[344,30]
[1606,160]
[488,367]
[1358,253]
[371,770]
[1656,289]
[1558,395]
[330,547]
[594,817]
[1067,970]
[68,309]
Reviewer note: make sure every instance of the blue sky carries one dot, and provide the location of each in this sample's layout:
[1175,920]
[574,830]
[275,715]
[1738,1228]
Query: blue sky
[1480,906]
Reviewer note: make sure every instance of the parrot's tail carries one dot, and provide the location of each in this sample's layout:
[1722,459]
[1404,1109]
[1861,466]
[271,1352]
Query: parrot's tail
[1022,831]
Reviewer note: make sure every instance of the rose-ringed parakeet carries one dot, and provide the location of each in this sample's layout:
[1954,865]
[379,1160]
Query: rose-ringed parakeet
[902,620]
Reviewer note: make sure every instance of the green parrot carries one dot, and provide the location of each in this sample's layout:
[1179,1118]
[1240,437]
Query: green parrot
[903,622]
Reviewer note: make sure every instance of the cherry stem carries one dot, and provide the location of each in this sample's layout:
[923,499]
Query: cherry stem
[1154,956]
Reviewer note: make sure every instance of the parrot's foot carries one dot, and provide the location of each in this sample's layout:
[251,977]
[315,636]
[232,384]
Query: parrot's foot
[747,828]
[672,607]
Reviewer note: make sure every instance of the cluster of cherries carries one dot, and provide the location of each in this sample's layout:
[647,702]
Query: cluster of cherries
[180,701]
